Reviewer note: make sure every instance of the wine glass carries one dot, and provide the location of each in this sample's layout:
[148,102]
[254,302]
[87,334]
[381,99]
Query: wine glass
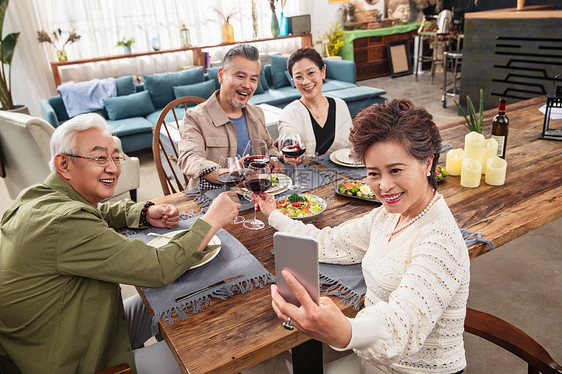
[292,145]
[258,180]
[256,153]
[231,173]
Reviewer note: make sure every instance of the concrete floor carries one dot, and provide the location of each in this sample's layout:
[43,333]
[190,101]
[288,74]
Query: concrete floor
[517,282]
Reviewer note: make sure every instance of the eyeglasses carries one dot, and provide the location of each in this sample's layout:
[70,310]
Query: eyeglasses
[103,160]
[311,75]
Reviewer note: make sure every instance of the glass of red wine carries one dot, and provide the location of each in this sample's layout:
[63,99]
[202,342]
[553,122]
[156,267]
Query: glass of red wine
[231,173]
[256,153]
[292,146]
[258,180]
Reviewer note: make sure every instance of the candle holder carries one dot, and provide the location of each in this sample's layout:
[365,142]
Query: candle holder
[552,101]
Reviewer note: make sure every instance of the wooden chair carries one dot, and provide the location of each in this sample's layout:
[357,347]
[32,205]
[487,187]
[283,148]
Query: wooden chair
[165,147]
[118,369]
[512,339]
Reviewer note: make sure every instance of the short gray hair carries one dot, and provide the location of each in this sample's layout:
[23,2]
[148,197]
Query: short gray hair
[64,136]
[245,50]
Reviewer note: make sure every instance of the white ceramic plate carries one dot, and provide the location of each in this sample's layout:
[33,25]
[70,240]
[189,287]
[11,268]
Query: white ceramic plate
[321,200]
[343,154]
[164,239]
[277,188]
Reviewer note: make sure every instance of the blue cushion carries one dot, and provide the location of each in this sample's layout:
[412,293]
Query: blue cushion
[289,78]
[204,89]
[262,84]
[130,126]
[278,68]
[276,96]
[125,85]
[160,85]
[331,85]
[133,105]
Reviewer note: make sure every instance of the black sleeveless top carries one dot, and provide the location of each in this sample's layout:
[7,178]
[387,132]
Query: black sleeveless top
[324,135]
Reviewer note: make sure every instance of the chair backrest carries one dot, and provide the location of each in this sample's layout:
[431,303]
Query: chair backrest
[512,339]
[25,150]
[164,144]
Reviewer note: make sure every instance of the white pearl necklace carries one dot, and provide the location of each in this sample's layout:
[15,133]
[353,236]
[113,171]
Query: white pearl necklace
[410,222]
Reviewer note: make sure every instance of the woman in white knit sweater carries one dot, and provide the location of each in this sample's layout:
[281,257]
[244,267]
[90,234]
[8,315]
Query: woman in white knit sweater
[323,122]
[414,259]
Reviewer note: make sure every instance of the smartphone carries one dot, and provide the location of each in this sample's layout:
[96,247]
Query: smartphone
[299,255]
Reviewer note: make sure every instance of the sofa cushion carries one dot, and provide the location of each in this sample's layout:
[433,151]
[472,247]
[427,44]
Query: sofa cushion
[331,85]
[289,78]
[153,117]
[356,93]
[276,96]
[58,107]
[125,85]
[203,89]
[129,126]
[160,85]
[136,104]
[278,68]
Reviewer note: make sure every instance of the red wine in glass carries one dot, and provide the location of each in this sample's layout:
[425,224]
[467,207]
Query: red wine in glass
[294,150]
[258,185]
[232,179]
[258,161]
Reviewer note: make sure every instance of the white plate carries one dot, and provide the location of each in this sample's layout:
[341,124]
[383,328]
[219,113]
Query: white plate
[321,200]
[277,188]
[164,239]
[334,158]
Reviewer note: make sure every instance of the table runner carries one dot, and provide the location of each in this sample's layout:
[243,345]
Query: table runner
[308,174]
[233,259]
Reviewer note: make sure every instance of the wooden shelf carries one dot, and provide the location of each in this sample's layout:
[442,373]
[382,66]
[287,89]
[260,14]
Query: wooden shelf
[198,60]
[370,56]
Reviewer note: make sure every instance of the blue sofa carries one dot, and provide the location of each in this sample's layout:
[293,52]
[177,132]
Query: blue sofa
[136,108]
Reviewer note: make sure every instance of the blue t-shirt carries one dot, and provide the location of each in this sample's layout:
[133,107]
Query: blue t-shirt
[242,135]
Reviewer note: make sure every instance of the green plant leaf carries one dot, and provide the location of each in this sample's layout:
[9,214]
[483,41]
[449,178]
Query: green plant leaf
[472,114]
[8,47]
[467,122]
[481,111]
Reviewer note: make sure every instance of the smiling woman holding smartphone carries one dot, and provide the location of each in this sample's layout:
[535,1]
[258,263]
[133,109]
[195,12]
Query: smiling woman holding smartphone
[414,258]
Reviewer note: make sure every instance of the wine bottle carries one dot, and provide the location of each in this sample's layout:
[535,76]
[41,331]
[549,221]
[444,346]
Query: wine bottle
[500,127]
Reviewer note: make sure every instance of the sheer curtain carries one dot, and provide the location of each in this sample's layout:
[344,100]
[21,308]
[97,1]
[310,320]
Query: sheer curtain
[101,23]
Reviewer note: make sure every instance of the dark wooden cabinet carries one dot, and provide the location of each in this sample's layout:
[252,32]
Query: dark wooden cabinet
[370,56]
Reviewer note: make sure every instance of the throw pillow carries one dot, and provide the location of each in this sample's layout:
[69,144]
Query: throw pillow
[289,78]
[278,68]
[204,90]
[160,86]
[262,84]
[133,105]
[125,85]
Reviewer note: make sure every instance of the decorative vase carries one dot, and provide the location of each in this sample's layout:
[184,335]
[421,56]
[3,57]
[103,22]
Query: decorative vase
[155,42]
[227,33]
[284,28]
[274,25]
[127,49]
[61,55]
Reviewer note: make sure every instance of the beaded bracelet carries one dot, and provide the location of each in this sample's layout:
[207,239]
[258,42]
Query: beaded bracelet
[143,220]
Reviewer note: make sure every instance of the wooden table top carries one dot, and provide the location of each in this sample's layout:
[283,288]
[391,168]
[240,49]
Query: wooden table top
[242,331]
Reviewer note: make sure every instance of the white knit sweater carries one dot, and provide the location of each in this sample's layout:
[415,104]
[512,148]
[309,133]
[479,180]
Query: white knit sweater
[417,286]
[295,116]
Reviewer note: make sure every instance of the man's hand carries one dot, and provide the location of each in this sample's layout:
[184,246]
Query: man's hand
[223,210]
[163,215]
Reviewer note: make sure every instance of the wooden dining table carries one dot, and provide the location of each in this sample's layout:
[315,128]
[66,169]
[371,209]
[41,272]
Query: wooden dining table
[237,333]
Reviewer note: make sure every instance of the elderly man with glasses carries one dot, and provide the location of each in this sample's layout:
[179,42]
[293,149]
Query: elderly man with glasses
[61,262]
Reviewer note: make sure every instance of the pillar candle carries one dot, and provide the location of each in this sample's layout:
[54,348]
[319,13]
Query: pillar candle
[490,149]
[470,173]
[495,171]
[454,161]
[474,146]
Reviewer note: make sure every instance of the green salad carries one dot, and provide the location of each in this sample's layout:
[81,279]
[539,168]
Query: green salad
[300,206]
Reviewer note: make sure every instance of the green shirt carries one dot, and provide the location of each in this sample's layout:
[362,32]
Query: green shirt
[61,263]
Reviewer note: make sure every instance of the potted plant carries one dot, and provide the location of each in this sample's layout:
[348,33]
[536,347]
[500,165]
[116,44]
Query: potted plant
[334,40]
[473,122]
[126,44]
[7,47]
